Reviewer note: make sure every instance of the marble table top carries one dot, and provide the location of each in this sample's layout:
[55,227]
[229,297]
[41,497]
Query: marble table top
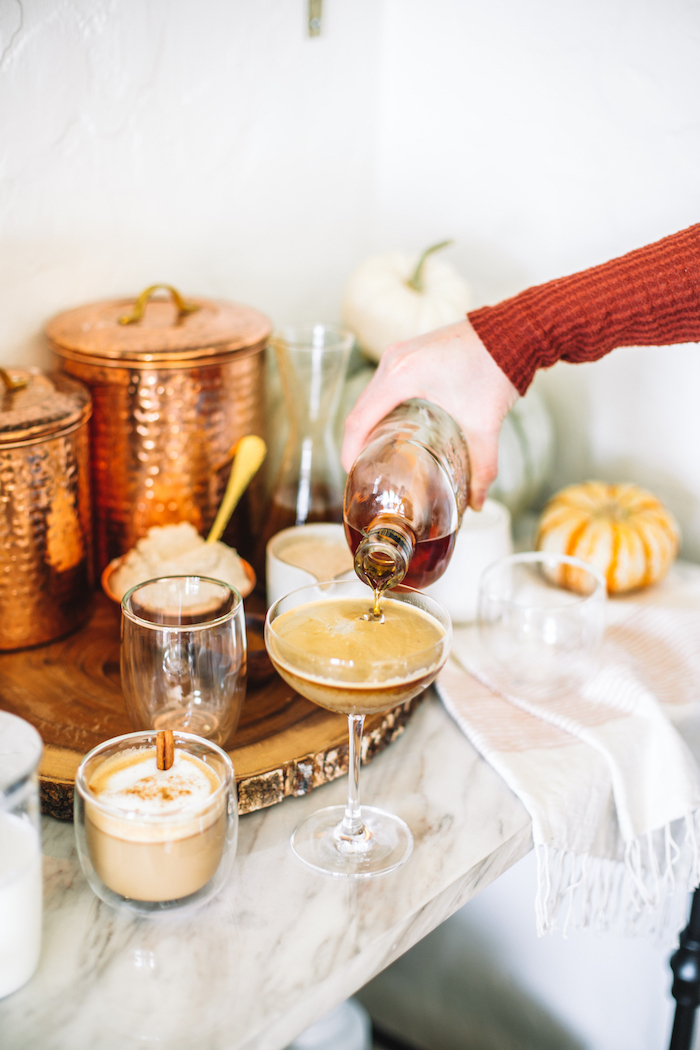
[281,945]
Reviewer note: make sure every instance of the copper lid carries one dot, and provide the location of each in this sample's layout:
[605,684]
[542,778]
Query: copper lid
[163,332]
[46,404]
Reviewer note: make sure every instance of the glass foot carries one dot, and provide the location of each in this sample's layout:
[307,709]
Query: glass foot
[385,844]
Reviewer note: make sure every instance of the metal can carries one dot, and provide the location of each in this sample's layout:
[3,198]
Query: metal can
[45,520]
[175,384]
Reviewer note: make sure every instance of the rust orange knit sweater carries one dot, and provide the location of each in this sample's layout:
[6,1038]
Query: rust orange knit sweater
[650,297]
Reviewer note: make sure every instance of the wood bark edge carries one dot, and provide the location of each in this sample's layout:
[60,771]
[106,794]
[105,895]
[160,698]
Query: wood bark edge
[297,776]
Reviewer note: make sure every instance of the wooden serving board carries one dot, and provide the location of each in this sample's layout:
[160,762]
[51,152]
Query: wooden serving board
[70,691]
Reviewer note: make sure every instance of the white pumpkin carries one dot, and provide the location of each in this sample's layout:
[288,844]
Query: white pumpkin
[394,297]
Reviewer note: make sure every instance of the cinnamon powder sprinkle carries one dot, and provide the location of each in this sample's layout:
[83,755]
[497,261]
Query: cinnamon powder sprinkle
[156,789]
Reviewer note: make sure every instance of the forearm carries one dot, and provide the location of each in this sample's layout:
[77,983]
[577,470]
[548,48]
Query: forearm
[650,297]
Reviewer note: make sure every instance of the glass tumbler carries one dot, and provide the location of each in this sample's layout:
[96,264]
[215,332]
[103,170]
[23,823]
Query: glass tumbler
[156,840]
[183,656]
[20,853]
[538,636]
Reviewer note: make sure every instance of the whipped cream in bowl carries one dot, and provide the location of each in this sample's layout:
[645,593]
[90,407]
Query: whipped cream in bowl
[153,839]
[176,550]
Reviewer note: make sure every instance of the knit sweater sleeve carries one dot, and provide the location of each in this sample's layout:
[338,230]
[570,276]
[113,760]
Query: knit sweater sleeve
[650,297]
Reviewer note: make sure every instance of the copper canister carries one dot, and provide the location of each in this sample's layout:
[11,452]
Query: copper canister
[45,521]
[174,384]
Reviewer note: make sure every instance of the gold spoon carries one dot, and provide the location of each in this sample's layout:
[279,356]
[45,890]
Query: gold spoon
[249,453]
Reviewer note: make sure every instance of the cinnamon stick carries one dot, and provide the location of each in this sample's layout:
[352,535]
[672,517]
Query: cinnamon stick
[165,748]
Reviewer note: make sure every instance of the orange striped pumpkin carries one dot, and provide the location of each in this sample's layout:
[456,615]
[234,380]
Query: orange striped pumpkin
[623,530]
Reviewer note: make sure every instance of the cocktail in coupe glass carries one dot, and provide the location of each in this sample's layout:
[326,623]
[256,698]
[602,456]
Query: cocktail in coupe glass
[326,642]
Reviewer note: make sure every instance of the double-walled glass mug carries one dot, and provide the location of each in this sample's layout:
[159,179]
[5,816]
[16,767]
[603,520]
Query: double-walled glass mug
[20,852]
[541,622]
[156,839]
[183,656]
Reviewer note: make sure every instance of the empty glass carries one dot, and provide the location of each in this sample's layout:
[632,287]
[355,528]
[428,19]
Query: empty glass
[183,656]
[537,635]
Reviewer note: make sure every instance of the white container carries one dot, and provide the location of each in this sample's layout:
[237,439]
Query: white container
[320,550]
[20,853]
[348,1027]
[483,538]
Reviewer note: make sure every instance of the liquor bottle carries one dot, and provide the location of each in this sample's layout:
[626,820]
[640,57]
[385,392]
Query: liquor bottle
[405,496]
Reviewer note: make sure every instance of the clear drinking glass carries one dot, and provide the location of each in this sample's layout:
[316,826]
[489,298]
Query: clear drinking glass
[183,656]
[20,852]
[538,635]
[354,840]
[147,850]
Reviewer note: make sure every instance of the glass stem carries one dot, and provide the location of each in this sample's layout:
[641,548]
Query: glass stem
[352,821]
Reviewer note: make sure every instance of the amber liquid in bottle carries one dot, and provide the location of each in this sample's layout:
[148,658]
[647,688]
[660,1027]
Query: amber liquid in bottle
[428,562]
[404,498]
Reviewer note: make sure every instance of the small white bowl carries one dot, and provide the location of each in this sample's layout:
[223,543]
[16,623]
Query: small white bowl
[282,577]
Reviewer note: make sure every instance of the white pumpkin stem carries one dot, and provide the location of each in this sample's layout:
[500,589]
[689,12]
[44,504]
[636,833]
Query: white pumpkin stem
[415,281]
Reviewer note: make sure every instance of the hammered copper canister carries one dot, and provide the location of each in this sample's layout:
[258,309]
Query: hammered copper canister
[174,385]
[45,556]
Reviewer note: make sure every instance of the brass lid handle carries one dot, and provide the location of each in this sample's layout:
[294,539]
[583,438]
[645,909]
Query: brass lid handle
[183,307]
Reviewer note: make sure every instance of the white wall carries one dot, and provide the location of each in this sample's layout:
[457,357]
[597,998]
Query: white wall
[212,145]
[215,146]
[546,137]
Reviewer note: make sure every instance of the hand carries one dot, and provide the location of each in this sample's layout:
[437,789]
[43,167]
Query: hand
[452,368]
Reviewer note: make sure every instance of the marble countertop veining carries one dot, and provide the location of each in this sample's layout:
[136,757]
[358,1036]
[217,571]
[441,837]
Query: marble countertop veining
[281,945]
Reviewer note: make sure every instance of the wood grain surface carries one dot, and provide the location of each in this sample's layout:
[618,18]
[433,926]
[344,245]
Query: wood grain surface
[70,691]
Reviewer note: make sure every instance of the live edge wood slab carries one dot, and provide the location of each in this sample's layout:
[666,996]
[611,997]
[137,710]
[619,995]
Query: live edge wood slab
[70,691]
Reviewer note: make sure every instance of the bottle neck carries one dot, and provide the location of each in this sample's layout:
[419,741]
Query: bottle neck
[384,552]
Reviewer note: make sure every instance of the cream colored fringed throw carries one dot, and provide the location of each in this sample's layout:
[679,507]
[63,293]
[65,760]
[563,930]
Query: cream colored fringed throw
[612,789]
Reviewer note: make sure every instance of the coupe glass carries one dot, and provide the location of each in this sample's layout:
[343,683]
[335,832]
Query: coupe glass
[541,622]
[352,840]
[183,656]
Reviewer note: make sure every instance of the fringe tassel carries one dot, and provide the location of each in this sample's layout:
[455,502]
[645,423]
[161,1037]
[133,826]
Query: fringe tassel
[643,894]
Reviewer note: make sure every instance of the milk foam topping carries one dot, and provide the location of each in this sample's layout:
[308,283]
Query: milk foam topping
[132,782]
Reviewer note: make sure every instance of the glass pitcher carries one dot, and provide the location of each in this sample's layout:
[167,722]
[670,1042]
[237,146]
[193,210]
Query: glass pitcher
[312,361]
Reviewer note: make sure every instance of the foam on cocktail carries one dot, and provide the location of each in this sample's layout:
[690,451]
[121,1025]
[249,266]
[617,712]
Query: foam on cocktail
[335,652]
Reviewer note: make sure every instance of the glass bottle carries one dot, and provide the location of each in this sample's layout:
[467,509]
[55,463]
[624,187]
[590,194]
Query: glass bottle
[405,496]
[312,361]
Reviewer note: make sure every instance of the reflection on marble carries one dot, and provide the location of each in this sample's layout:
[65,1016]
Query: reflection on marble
[281,945]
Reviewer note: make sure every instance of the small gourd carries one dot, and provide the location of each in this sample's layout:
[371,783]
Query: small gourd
[622,530]
[394,297]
